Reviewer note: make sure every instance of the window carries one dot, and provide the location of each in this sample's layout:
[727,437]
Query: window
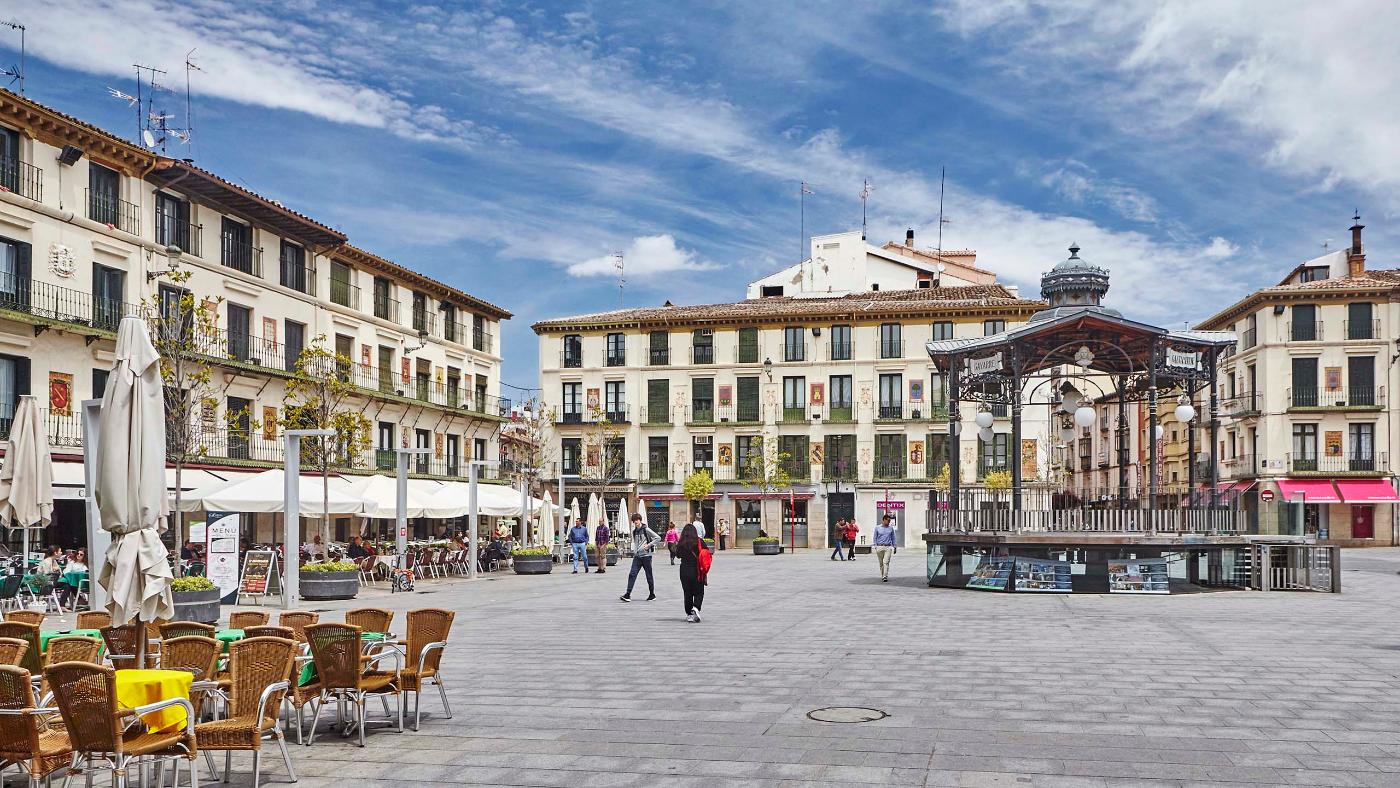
[420,312]
[481,337]
[240,320]
[1361,455]
[571,403]
[748,346]
[99,382]
[480,404]
[295,334]
[889,456]
[422,378]
[768,291]
[943,329]
[385,307]
[104,197]
[569,453]
[993,455]
[617,350]
[173,222]
[658,401]
[1303,327]
[345,356]
[840,343]
[702,400]
[294,271]
[1304,447]
[175,320]
[236,245]
[454,387]
[453,452]
[573,351]
[1304,391]
[615,400]
[794,399]
[342,291]
[1251,331]
[659,346]
[746,448]
[386,369]
[702,346]
[15,282]
[450,330]
[937,453]
[479,449]
[746,391]
[1360,324]
[838,398]
[108,288]
[658,459]
[891,396]
[14,383]
[9,159]
[992,327]
[239,420]
[891,340]
[797,463]
[840,462]
[422,439]
[703,453]
[1361,380]
[794,344]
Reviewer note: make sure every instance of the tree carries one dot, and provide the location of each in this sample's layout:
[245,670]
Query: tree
[530,455]
[766,469]
[185,332]
[697,487]
[941,481]
[316,398]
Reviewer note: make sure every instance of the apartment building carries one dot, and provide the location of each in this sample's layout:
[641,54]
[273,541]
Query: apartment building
[90,226]
[824,366]
[1307,421]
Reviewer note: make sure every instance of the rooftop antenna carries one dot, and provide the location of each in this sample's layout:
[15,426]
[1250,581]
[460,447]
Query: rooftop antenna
[802,193]
[146,96]
[942,176]
[16,73]
[621,278]
[865,191]
[188,136]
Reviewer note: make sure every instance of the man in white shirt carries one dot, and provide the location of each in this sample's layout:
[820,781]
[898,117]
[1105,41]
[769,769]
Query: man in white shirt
[699,527]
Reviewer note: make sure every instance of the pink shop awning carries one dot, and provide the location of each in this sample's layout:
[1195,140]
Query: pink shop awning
[1367,490]
[1313,490]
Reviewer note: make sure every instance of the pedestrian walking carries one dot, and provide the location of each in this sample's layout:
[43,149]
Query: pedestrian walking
[699,528]
[886,545]
[578,546]
[723,533]
[644,541]
[851,531]
[601,537]
[691,550]
[672,536]
[838,534]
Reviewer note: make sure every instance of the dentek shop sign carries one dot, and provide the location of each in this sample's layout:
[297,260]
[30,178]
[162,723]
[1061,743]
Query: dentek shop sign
[889,504]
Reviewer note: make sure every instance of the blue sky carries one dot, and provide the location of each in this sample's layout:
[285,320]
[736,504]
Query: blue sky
[1198,149]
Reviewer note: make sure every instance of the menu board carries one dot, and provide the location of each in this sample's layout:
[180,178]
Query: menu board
[221,554]
[1039,575]
[992,574]
[259,573]
[1138,576]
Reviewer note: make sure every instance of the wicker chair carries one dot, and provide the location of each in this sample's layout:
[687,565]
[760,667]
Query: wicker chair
[370,619]
[260,667]
[182,629]
[298,621]
[195,655]
[26,738]
[93,619]
[26,617]
[98,725]
[121,645]
[344,675]
[424,642]
[270,631]
[33,658]
[247,618]
[73,648]
[12,651]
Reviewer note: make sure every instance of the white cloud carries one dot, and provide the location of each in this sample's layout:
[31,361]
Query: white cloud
[1219,249]
[246,55]
[1080,184]
[646,256]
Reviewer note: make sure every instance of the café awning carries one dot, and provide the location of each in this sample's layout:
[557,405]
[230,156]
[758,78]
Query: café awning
[1367,490]
[1312,490]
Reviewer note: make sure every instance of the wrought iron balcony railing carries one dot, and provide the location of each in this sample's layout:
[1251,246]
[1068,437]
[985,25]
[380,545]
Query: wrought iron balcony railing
[22,178]
[1345,397]
[111,210]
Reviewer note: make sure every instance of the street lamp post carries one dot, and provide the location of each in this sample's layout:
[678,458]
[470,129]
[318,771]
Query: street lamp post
[291,510]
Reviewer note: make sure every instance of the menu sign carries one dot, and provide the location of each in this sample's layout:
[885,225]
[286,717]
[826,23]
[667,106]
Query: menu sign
[221,554]
[259,573]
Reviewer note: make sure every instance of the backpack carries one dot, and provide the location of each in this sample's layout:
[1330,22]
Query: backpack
[703,562]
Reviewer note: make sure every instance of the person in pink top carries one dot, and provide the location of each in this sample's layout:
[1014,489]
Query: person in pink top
[672,536]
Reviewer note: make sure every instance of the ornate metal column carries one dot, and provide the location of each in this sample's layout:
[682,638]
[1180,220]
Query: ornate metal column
[954,449]
[1122,434]
[1014,392]
[1152,480]
[1214,430]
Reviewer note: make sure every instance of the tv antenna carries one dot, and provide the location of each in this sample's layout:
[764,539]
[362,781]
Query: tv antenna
[802,193]
[16,73]
[865,191]
[190,65]
[621,278]
[942,176]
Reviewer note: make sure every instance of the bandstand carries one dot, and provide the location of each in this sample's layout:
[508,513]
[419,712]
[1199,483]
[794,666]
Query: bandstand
[1037,537]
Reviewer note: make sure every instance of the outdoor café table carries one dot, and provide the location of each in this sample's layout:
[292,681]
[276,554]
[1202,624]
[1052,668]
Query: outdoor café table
[139,687]
[227,636]
[49,634]
[75,578]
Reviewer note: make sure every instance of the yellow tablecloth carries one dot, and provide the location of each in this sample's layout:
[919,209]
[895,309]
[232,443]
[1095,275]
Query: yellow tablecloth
[139,687]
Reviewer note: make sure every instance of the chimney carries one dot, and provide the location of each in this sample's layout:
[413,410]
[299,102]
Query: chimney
[909,238]
[1356,257]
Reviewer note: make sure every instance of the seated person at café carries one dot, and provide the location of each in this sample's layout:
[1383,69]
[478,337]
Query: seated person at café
[357,548]
[189,552]
[66,589]
[52,563]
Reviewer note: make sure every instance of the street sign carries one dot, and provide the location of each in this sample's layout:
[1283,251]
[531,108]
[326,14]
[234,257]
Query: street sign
[1267,496]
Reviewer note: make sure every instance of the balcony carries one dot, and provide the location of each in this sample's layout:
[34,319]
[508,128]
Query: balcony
[248,349]
[989,465]
[345,294]
[799,469]
[839,351]
[1240,406]
[240,255]
[1242,466]
[839,469]
[386,308]
[1352,463]
[386,381]
[109,210]
[615,357]
[22,178]
[1361,329]
[744,412]
[701,413]
[702,354]
[186,235]
[746,353]
[1346,398]
[570,417]
[1304,332]
[655,473]
[1249,338]
[840,413]
[890,470]
[64,430]
[891,348]
[424,322]
[300,277]
[235,444]
[45,303]
[659,356]
[795,413]
[654,417]
[912,411]
[483,340]
[794,351]
[571,359]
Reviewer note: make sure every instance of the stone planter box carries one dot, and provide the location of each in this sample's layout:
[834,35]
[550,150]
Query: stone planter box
[532,564]
[328,585]
[593,557]
[200,606]
[767,548]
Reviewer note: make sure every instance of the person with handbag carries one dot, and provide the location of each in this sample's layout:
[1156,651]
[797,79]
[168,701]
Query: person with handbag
[643,547]
[694,569]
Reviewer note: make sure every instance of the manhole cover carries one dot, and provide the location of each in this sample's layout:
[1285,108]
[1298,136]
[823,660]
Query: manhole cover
[846,714]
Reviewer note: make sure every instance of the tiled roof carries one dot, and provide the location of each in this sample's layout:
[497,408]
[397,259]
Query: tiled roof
[933,300]
[960,257]
[1367,279]
[364,257]
[1373,281]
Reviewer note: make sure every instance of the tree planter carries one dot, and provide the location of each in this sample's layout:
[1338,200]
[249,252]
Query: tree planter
[767,548]
[532,564]
[200,606]
[329,585]
[593,557]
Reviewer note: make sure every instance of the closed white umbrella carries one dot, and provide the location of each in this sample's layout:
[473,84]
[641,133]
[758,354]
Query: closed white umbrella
[26,481]
[596,514]
[622,524]
[575,515]
[546,521]
[130,487]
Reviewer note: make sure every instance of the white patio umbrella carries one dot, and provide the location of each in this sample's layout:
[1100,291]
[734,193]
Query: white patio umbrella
[546,520]
[597,515]
[622,517]
[266,493]
[26,481]
[575,515]
[130,487]
[381,497]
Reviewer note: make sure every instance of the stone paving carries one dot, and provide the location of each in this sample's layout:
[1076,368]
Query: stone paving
[554,682]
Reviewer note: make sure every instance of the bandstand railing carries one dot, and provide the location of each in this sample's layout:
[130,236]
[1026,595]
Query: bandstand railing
[1046,510]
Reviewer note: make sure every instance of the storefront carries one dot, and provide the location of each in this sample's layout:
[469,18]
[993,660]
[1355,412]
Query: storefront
[1337,510]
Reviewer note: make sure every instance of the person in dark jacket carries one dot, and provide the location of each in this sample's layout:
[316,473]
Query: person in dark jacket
[578,546]
[602,536]
[692,590]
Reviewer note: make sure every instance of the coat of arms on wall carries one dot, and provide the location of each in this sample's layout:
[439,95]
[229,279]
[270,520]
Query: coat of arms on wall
[726,455]
[818,395]
[61,261]
[269,423]
[61,393]
[916,452]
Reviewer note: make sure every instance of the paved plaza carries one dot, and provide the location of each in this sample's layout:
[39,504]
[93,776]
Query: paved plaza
[554,682]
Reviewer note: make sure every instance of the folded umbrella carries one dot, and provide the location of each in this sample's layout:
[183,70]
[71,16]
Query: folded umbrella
[26,480]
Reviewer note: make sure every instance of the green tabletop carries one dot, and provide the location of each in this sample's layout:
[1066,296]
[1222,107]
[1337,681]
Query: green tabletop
[227,636]
[75,578]
[308,670]
[49,634]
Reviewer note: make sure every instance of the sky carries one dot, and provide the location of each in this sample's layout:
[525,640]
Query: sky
[1198,149]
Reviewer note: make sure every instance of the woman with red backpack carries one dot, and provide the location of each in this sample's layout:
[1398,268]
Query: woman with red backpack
[695,568]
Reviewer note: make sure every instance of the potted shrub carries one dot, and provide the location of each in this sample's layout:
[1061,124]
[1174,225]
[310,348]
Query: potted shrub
[766,545]
[196,599]
[329,580]
[593,555]
[532,560]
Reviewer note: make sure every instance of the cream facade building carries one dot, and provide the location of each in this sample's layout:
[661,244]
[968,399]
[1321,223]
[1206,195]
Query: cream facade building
[87,226]
[1309,424]
[824,364]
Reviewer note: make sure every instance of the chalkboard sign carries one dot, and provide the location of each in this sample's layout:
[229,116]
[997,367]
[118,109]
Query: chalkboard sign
[259,574]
